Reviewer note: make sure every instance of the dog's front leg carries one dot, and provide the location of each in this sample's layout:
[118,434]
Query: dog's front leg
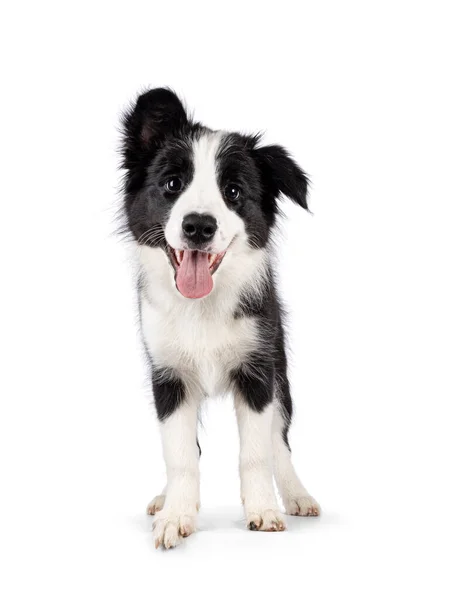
[179,438]
[254,411]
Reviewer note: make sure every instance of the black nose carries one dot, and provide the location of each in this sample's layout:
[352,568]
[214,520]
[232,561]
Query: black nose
[198,228]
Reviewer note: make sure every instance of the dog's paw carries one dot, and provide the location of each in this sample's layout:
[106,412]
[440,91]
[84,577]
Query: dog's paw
[265,520]
[302,506]
[170,528]
[156,504]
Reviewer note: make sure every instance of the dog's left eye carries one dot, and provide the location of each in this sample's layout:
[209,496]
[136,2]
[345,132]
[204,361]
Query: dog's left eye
[173,185]
[232,192]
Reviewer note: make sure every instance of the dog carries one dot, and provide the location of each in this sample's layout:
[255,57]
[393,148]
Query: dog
[201,207]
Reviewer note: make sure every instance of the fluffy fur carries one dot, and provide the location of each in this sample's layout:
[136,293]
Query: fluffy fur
[194,195]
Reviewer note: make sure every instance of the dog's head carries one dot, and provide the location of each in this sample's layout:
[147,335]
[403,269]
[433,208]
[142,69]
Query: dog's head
[198,194]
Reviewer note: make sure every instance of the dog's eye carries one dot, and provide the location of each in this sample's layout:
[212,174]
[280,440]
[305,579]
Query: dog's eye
[173,185]
[232,192]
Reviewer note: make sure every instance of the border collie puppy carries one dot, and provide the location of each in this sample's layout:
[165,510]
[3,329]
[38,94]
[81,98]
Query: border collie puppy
[201,205]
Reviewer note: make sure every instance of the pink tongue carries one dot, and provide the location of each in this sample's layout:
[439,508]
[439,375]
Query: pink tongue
[193,277]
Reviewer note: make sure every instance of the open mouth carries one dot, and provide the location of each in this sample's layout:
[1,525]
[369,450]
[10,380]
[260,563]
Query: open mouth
[214,260]
[194,270]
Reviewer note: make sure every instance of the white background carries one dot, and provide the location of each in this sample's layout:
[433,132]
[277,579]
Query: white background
[359,93]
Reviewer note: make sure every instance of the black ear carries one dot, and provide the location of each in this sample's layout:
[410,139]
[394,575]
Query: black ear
[157,113]
[282,175]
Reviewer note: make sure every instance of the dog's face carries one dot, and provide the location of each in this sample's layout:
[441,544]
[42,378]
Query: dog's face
[198,194]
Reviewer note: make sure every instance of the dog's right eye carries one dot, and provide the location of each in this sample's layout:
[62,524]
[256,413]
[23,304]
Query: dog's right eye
[173,185]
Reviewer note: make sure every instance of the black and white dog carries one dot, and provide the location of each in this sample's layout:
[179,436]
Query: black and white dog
[201,206]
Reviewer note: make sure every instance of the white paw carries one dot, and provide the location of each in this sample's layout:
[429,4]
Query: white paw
[265,520]
[156,504]
[170,528]
[302,506]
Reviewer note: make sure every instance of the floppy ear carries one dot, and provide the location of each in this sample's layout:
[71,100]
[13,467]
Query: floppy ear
[157,113]
[282,175]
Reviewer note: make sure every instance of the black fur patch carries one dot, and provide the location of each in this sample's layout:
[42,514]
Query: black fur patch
[168,391]
[254,381]
[282,175]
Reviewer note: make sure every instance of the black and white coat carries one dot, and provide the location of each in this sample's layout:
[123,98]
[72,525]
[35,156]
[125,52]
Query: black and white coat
[194,192]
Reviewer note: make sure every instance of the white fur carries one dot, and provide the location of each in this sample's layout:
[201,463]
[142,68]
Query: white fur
[255,465]
[157,503]
[204,196]
[295,497]
[201,339]
[178,517]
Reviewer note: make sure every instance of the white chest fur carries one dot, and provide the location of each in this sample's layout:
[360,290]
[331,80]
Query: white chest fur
[201,348]
[201,339]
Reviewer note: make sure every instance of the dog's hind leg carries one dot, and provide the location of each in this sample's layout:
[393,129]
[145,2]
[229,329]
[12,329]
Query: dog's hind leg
[296,499]
[157,503]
